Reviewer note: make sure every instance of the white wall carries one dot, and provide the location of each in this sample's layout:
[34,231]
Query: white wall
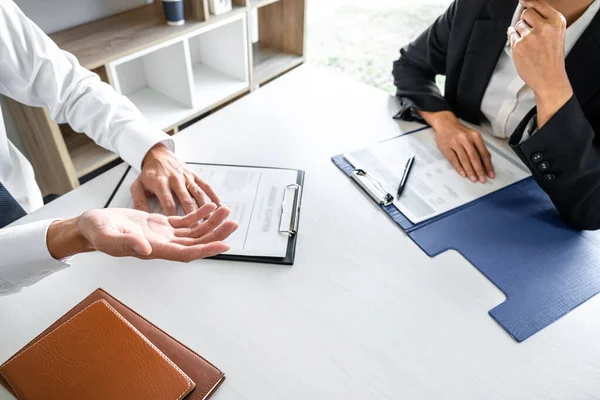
[55,15]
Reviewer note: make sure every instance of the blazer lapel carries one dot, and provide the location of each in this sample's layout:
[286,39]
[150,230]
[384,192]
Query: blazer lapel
[487,42]
[583,63]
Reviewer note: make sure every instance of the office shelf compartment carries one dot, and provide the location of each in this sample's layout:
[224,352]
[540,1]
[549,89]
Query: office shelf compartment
[158,82]
[268,62]
[86,155]
[219,58]
[279,45]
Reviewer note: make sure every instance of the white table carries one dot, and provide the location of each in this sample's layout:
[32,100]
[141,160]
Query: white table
[363,314]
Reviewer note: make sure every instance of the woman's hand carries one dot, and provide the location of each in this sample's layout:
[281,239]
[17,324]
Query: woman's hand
[132,233]
[538,48]
[462,146]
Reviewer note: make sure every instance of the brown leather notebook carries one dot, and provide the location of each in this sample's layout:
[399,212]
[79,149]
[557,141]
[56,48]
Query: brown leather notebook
[96,354]
[206,376]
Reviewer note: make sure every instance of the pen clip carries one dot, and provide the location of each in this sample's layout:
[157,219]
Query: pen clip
[292,230]
[372,187]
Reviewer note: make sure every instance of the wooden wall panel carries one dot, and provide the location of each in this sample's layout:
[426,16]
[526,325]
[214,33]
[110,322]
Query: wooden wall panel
[102,72]
[46,148]
[281,26]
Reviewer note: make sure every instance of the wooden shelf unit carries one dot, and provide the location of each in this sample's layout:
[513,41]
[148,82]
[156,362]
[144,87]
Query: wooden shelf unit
[173,74]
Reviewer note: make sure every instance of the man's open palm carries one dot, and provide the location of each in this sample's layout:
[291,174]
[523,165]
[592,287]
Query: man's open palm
[132,233]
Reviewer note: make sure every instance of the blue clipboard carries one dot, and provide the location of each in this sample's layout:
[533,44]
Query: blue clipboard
[517,239]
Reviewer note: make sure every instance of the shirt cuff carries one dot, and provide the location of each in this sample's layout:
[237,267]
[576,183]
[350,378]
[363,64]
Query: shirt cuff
[25,255]
[530,129]
[139,137]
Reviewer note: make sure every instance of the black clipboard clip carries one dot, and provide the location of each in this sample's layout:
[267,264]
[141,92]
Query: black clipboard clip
[372,187]
[292,229]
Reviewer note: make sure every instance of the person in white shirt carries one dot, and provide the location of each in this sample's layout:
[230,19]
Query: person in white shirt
[34,71]
[524,70]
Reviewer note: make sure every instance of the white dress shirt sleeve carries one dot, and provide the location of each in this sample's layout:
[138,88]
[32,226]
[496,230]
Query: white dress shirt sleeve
[34,71]
[25,256]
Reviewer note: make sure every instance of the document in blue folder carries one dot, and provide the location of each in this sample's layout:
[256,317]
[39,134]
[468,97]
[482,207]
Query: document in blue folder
[516,238]
[434,187]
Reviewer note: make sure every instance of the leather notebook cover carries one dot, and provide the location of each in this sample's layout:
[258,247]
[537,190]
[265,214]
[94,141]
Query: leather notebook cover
[95,355]
[205,375]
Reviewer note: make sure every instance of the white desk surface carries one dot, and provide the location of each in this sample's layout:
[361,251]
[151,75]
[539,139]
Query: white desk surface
[363,314]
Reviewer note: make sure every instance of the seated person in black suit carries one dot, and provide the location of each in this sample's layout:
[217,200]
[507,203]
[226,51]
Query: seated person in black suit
[526,70]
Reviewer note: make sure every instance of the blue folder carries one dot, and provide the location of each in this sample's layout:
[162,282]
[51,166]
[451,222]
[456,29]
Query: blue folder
[517,239]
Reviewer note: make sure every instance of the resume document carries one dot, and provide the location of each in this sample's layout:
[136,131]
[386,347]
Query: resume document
[433,187]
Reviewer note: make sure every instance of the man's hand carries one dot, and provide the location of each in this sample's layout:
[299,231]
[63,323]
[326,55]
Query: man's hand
[132,233]
[165,176]
[462,146]
[538,48]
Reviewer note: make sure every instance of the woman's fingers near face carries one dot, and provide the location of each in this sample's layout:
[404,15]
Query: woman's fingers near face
[513,36]
[523,28]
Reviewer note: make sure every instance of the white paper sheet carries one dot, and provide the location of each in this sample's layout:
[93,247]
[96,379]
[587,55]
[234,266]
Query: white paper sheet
[255,197]
[433,186]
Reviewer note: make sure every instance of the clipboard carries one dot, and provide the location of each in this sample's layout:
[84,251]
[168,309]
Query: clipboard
[372,187]
[291,229]
[292,194]
[376,191]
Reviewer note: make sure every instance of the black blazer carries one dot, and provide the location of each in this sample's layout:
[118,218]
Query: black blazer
[465,44]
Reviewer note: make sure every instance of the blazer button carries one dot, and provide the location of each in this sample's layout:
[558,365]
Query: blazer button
[544,166]
[550,177]
[537,157]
